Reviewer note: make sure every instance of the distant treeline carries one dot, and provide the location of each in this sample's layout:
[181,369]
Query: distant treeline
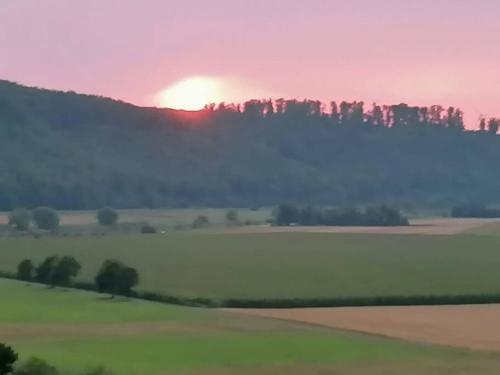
[71,151]
[475,211]
[382,216]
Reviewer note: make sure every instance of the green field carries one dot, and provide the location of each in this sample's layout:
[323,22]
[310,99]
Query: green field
[284,265]
[76,330]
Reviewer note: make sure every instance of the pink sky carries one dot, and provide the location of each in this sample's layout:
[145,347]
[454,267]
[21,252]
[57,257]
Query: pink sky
[390,51]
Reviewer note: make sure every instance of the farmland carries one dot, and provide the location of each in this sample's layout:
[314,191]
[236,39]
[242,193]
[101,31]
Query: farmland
[467,326]
[283,265]
[76,330]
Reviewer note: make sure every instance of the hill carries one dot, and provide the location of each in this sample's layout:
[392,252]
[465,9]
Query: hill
[77,151]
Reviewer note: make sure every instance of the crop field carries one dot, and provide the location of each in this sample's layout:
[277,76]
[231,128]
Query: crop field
[76,330]
[284,265]
[467,326]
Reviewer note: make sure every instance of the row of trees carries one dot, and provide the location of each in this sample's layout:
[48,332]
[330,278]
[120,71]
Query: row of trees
[355,113]
[113,277]
[287,214]
[46,218]
[34,366]
[475,210]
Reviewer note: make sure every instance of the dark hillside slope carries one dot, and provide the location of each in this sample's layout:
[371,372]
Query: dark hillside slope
[76,151]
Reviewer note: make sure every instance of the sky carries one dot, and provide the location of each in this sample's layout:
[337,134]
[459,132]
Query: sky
[389,51]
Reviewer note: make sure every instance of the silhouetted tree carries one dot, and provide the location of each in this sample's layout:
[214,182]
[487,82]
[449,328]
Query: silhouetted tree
[26,270]
[7,359]
[493,126]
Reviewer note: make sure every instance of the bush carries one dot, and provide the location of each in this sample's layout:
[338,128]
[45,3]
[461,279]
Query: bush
[46,218]
[107,216]
[148,229]
[201,222]
[20,219]
[36,366]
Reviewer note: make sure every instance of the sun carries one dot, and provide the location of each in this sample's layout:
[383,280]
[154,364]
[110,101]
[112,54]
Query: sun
[190,94]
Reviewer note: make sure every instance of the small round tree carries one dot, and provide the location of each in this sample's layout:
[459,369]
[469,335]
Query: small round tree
[201,222]
[45,271]
[7,359]
[232,217]
[65,270]
[26,270]
[46,218]
[107,216]
[116,278]
[20,219]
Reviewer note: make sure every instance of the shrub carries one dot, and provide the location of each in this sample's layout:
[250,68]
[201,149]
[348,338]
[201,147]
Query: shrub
[107,216]
[36,366]
[20,219]
[46,218]
[148,229]
[201,222]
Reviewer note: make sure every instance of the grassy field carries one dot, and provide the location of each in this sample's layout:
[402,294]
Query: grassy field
[284,265]
[76,330]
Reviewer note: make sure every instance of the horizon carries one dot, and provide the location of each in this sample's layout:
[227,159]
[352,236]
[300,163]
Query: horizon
[435,52]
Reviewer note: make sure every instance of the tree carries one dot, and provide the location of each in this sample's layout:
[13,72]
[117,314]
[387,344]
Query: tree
[148,229]
[20,219]
[7,359]
[46,218]
[232,217]
[116,278]
[36,366]
[44,272]
[286,214]
[107,216]
[65,270]
[25,270]
[201,222]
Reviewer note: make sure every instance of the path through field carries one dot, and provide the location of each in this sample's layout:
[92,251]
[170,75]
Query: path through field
[471,326]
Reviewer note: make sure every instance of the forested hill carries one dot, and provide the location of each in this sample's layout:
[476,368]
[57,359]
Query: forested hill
[75,151]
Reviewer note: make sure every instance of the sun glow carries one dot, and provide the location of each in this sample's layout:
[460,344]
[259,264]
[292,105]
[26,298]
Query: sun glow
[191,94]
